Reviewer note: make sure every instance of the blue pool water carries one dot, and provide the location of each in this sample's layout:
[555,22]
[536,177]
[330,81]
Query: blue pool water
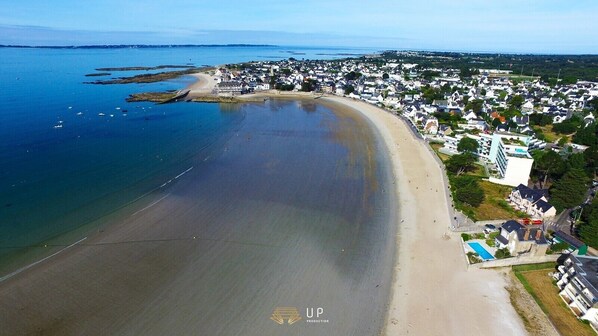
[481,251]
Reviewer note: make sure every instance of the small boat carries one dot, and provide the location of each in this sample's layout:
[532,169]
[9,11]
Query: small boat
[79,113]
[70,107]
[112,116]
[58,126]
[101,114]
[118,108]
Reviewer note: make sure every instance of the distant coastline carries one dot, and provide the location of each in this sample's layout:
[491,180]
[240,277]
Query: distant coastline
[133,46]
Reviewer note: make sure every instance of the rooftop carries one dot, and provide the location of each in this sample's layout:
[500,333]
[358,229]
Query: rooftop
[513,142]
[589,265]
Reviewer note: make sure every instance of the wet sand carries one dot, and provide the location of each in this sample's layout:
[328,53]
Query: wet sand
[290,212]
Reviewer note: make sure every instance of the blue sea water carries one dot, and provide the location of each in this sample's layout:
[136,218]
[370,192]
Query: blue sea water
[54,180]
[283,196]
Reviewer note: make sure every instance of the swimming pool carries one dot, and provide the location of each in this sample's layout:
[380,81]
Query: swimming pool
[481,251]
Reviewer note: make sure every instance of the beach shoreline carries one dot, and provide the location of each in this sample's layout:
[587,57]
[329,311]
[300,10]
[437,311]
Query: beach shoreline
[433,283]
[203,250]
[433,292]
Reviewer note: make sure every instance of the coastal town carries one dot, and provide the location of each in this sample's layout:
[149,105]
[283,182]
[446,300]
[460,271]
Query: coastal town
[318,168]
[519,155]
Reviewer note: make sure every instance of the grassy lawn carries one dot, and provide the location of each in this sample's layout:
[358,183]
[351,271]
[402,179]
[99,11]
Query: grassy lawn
[494,205]
[515,76]
[536,281]
[490,240]
[550,135]
[436,147]
[479,171]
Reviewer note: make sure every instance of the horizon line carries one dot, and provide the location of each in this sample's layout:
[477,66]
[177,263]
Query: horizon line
[133,45]
[380,50]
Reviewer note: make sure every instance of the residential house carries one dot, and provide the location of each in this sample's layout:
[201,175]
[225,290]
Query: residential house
[441,105]
[522,121]
[431,126]
[470,115]
[534,202]
[577,279]
[230,87]
[521,240]
[527,108]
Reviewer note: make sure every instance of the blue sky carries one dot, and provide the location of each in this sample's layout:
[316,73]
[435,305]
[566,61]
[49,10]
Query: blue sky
[538,26]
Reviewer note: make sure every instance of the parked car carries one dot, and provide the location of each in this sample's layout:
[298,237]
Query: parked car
[489,228]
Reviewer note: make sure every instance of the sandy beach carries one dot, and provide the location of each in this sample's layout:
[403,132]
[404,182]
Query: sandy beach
[433,292]
[204,85]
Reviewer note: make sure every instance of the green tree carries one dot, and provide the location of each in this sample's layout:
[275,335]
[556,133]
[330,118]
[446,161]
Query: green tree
[430,94]
[461,163]
[589,233]
[540,119]
[563,141]
[496,122]
[590,212]
[467,144]
[502,253]
[471,194]
[576,161]
[349,89]
[352,75]
[570,190]
[462,181]
[308,85]
[586,136]
[565,127]
[515,102]
[467,72]
[467,190]
[549,164]
[590,155]
[474,105]
[273,80]
[385,76]
[428,74]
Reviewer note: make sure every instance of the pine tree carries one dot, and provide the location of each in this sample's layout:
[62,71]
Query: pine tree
[589,233]
[570,190]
